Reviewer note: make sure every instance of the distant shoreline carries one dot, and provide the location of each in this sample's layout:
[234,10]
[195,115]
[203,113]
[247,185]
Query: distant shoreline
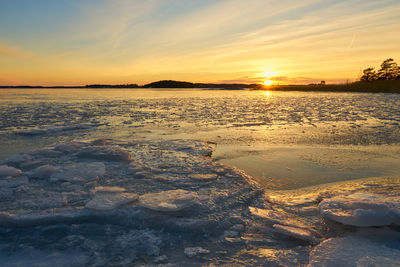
[380,86]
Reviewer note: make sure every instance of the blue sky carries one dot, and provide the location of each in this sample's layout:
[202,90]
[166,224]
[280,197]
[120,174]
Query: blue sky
[120,41]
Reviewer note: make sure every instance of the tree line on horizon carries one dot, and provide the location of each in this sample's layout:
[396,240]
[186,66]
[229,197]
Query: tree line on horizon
[389,71]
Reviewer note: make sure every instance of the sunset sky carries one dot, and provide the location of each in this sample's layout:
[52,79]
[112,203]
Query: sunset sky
[76,42]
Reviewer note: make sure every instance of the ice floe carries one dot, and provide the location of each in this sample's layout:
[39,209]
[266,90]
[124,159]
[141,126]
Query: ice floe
[80,172]
[105,153]
[7,171]
[205,176]
[44,172]
[299,233]
[355,250]
[195,251]
[110,200]
[171,200]
[271,217]
[362,209]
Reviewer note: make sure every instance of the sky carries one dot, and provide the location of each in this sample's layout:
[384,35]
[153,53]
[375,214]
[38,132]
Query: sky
[78,42]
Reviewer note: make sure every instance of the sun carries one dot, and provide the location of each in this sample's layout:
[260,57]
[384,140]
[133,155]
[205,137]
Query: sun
[268,82]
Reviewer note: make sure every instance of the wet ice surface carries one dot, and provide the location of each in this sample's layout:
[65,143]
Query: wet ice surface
[285,140]
[161,197]
[108,202]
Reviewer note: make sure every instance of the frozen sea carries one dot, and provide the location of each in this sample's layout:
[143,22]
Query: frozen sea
[99,177]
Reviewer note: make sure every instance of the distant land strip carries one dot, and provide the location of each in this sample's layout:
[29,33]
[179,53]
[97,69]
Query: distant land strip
[376,86]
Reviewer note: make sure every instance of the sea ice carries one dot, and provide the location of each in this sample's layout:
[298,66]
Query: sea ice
[7,171]
[18,159]
[31,257]
[204,177]
[170,200]
[145,242]
[353,251]
[195,251]
[43,172]
[56,129]
[362,209]
[70,147]
[298,233]
[26,218]
[80,172]
[278,217]
[108,189]
[110,200]
[105,153]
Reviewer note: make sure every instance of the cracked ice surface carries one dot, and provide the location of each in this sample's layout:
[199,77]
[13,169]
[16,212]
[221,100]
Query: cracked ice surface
[108,202]
[83,198]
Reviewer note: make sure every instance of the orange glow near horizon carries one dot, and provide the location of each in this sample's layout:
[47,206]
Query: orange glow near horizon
[268,83]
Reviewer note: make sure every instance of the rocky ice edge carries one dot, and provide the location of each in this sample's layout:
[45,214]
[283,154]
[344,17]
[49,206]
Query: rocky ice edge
[92,194]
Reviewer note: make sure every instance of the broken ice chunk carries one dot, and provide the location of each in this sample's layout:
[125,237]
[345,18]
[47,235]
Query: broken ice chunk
[105,153]
[204,177]
[110,201]
[299,233]
[18,159]
[362,210]
[42,217]
[353,251]
[7,171]
[70,147]
[109,189]
[278,217]
[43,172]
[195,251]
[170,200]
[80,172]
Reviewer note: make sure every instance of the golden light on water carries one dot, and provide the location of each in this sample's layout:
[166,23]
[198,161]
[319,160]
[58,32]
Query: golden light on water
[267,93]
